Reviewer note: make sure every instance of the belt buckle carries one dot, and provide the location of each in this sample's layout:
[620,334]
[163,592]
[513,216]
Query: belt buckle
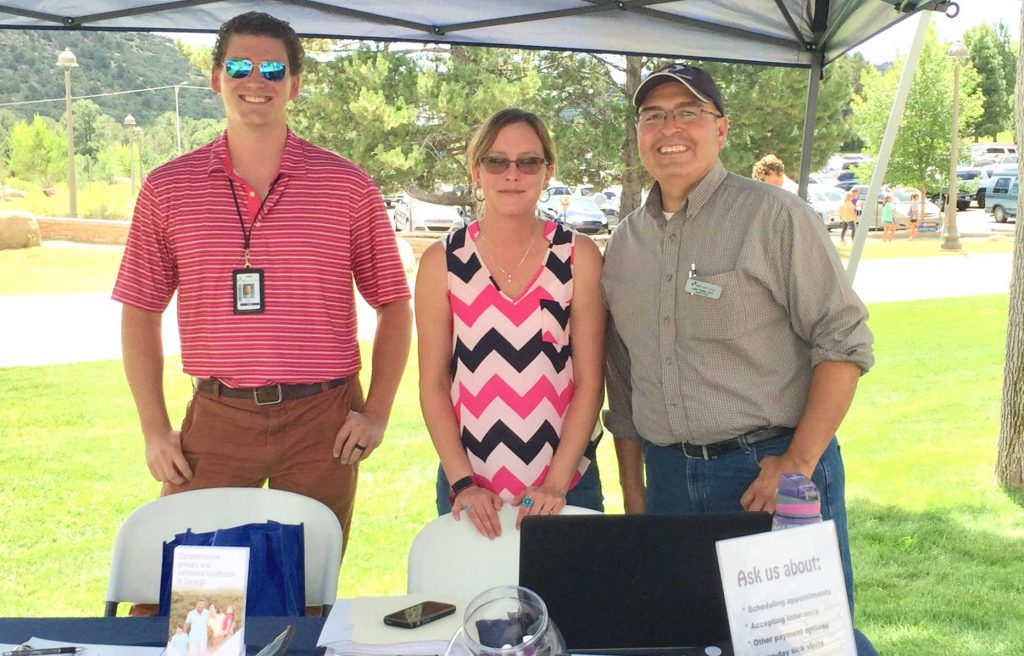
[256,396]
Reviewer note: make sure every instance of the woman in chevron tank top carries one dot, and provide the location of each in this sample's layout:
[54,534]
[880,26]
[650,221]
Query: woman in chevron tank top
[510,321]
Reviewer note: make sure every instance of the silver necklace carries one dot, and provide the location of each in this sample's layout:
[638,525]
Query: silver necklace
[509,274]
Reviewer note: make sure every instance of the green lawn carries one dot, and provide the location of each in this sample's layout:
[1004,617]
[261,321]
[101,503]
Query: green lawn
[937,545]
[93,268]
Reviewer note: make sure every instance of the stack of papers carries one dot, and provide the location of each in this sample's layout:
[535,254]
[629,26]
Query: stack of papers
[356,627]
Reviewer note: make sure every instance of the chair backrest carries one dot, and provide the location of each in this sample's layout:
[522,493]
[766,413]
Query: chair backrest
[451,557]
[138,548]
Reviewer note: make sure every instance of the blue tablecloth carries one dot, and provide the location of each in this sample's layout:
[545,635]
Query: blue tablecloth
[152,631]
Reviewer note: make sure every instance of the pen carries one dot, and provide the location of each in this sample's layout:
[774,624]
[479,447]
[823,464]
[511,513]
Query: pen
[26,650]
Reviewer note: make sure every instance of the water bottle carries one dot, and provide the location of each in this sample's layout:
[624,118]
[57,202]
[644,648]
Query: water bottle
[796,502]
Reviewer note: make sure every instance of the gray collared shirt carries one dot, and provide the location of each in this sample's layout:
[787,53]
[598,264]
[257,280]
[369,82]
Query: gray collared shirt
[686,368]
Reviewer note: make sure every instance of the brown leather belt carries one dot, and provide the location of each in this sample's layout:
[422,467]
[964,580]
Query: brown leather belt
[268,394]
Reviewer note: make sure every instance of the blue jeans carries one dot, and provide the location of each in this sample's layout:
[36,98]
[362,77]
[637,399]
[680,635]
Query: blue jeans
[678,484]
[586,494]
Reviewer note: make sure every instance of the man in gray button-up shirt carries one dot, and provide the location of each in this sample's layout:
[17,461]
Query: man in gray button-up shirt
[736,340]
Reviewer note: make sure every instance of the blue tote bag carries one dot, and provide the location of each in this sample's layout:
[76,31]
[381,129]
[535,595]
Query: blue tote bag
[277,565]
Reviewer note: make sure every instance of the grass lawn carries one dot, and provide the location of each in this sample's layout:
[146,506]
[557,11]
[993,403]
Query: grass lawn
[52,269]
[95,200]
[58,269]
[937,545]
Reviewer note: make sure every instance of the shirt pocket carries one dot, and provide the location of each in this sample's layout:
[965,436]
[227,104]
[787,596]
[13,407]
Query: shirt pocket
[554,322]
[724,318]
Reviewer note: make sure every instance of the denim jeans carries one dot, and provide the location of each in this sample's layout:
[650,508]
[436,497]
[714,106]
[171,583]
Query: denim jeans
[586,494]
[679,484]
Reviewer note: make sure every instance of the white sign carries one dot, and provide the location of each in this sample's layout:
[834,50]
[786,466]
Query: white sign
[785,594]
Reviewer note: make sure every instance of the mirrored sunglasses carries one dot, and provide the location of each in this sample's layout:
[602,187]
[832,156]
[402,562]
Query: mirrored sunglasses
[527,165]
[239,69]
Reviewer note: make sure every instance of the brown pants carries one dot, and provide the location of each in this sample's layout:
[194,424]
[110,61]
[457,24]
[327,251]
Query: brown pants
[231,442]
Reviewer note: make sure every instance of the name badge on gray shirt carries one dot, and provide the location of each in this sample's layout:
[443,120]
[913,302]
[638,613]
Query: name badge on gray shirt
[705,289]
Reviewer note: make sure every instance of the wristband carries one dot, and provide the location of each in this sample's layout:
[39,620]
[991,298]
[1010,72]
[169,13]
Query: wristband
[461,484]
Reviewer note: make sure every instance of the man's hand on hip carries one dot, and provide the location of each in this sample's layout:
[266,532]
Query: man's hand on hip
[359,437]
[761,493]
[165,459]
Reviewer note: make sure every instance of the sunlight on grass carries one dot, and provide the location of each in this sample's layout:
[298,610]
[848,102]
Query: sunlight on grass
[95,200]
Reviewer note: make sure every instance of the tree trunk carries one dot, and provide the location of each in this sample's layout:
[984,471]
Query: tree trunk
[633,174]
[1010,464]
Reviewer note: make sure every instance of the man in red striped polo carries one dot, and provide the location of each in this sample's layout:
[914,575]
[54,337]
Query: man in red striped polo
[262,235]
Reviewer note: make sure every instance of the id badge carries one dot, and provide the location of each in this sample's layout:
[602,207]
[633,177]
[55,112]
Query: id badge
[248,290]
[705,289]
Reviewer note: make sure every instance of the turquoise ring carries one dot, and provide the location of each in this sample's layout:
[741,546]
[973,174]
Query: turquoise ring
[528,502]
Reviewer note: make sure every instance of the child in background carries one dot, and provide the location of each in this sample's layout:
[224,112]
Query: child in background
[888,222]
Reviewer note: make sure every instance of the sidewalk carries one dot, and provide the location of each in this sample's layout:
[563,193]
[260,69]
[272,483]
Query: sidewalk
[57,329]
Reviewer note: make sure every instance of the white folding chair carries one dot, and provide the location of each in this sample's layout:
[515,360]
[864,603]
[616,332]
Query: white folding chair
[138,548]
[451,557]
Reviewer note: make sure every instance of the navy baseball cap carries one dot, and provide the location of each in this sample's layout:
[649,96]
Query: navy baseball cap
[696,80]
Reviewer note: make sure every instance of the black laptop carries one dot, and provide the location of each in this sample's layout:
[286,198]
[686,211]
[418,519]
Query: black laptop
[633,584]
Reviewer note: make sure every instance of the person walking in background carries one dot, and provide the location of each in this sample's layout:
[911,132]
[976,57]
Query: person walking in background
[771,170]
[277,398]
[913,214]
[848,216]
[510,321]
[888,222]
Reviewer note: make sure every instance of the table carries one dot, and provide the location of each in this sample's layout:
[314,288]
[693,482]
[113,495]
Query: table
[152,631]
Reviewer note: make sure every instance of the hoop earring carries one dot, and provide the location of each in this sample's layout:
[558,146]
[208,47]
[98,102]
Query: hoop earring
[545,196]
[478,194]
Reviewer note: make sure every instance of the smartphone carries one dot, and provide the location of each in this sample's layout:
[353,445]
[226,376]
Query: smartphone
[418,615]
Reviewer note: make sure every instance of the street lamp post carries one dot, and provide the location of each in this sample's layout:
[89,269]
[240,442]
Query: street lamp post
[67,61]
[957,52]
[129,124]
[138,145]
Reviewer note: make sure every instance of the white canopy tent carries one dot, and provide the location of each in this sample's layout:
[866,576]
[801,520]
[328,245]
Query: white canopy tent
[798,33]
[778,32]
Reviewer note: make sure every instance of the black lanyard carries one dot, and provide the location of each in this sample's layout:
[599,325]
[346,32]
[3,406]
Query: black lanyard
[247,234]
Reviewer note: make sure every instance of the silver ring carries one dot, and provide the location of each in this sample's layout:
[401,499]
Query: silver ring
[467,507]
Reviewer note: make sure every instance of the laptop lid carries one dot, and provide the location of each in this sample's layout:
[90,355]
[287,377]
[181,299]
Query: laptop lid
[632,583]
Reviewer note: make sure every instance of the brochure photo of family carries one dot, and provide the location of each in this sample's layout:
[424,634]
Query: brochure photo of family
[205,626]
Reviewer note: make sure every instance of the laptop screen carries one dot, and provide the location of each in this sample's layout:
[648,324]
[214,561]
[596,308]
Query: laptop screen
[632,583]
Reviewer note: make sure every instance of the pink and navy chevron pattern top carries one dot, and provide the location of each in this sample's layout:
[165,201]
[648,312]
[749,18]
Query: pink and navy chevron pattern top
[511,362]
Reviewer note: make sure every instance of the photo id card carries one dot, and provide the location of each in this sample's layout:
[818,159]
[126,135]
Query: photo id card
[248,290]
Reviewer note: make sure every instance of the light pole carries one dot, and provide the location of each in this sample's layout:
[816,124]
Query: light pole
[129,124]
[67,61]
[138,144]
[957,52]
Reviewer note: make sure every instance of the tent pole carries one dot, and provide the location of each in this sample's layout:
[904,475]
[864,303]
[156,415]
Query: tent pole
[870,210]
[810,121]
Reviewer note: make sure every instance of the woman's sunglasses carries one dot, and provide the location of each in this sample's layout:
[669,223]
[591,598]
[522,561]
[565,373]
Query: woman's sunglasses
[239,69]
[527,165]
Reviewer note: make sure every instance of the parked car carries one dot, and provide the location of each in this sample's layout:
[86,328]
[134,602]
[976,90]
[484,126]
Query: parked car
[1001,196]
[847,180]
[826,202]
[608,202]
[577,212]
[970,187]
[414,215]
[988,154]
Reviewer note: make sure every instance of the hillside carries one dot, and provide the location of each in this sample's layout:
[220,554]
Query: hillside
[108,61]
